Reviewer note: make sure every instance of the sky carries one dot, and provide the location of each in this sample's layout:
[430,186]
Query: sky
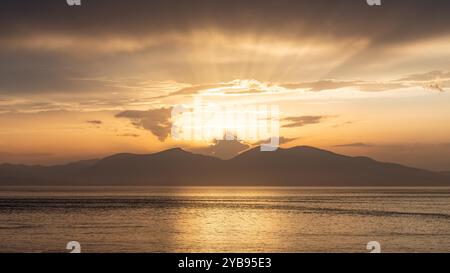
[102,78]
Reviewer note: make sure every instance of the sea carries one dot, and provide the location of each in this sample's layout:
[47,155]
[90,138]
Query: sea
[224,219]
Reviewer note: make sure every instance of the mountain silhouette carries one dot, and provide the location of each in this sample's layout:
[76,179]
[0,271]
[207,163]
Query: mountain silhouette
[298,166]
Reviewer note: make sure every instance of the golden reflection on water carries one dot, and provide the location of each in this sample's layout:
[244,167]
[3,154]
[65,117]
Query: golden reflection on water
[225,219]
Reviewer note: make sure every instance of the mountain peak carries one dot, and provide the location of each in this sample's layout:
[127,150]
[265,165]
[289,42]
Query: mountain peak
[256,151]
[177,150]
[174,152]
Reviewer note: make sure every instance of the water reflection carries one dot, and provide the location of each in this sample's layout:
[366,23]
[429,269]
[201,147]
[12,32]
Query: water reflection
[224,219]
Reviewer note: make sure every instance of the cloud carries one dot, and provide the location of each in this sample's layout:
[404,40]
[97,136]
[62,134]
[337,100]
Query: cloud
[47,48]
[129,135]
[121,94]
[435,87]
[21,105]
[389,24]
[165,31]
[244,92]
[319,85]
[94,122]
[365,86]
[426,77]
[235,87]
[281,140]
[356,144]
[293,122]
[224,149]
[434,80]
[126,93]
[44,46]
[195,89]
[346,123]
[157,121]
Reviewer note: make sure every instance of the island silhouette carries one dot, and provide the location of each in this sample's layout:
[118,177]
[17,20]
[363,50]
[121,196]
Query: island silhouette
[298,166]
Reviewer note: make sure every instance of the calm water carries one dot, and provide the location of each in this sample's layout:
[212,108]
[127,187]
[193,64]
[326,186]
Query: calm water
[224,219]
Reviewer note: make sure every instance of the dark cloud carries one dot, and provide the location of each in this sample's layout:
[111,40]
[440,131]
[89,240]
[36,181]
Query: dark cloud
[94,122]
[392,22]
[129,135]
[44,44]
[156,121]
[30,106]
[293,122]
[37,73]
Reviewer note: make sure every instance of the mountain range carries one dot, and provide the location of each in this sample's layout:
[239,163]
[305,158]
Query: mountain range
[298,166]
